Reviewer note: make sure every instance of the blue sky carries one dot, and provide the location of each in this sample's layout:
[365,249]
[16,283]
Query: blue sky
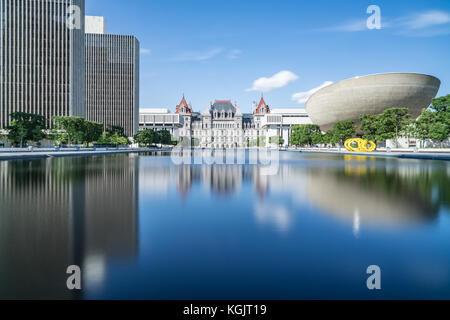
[211,49]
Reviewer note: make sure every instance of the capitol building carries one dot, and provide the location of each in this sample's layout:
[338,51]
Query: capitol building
[223,125]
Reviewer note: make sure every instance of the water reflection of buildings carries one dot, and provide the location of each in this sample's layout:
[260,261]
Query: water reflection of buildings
[220,179]
[59,212]
[359,190]
[379,193]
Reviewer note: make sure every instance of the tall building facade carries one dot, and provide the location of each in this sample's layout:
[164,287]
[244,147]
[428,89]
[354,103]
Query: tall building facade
[42,66]
[223,125]
[112,78]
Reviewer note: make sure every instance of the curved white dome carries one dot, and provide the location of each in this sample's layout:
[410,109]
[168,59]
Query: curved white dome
[372,94]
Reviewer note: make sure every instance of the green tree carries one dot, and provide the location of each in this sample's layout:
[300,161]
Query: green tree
[156,137]
[195,142]
[440,128]
[258,142]
[165,137]
[112,129]
[74,128]
[92,131]
[307,134]
[409,131]
[369,126]
[57,136]
[439,131]
[441,104]
[17,133]
[145,137]
[433,125]
[391,123]
[276,140]
[327,138]
[26,127]
[116,140]
[122,141]
[261,141]
[342,131]
[104,139]
[423,124]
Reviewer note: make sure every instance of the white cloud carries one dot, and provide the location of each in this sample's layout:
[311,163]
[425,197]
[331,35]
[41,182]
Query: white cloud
[233,54]
[302,97]
[426,19]
[145,51]
[274,214]
[278,80]
[197,56]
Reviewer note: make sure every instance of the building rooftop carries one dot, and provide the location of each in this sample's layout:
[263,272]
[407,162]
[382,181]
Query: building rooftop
[299,111]
[96,25]
[154,111]
[223,105]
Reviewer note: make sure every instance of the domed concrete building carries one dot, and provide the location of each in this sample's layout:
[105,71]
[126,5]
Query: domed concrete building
[372,94]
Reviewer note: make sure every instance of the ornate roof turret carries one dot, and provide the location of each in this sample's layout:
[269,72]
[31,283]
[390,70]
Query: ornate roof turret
[263,107]
[183,107]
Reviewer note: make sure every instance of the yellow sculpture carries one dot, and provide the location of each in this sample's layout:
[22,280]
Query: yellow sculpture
[363,145]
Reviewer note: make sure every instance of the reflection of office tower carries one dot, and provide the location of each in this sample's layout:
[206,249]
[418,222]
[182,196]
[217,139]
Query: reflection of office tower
[111,205]
[60,212]
[112,77]
[36,244]
[42,58]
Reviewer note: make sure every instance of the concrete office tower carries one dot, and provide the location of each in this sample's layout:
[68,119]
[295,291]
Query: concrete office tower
[112,78]
[42,58]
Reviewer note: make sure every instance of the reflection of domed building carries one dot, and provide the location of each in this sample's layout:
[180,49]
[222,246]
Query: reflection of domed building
[346,195]
[373,94]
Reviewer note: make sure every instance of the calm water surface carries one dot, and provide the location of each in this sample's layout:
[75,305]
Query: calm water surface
[141,227]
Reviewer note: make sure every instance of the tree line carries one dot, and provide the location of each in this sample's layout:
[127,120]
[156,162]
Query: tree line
[32,128]
[148,137]
[432,124]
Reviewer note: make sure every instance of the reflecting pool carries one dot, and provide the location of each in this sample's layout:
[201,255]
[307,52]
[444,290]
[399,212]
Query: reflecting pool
[141,227]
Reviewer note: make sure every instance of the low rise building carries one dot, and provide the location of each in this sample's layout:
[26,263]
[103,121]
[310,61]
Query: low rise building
[223,125]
